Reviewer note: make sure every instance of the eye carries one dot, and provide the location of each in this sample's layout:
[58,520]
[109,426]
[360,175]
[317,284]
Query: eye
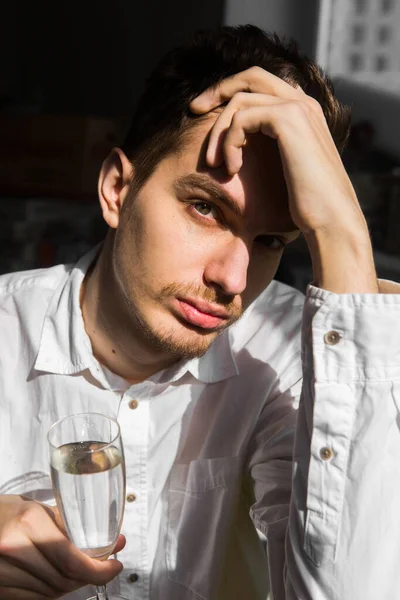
[271,241]
[205,209]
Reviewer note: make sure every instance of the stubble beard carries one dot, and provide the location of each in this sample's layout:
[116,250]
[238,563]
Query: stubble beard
[179,346]
[163,338]
[176,345]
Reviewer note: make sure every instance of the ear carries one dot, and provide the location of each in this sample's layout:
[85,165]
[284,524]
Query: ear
[114,180]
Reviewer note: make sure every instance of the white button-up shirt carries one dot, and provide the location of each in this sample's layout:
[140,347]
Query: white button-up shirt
[209,442]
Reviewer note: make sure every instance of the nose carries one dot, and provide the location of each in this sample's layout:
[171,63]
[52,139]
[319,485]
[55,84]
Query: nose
[227,268]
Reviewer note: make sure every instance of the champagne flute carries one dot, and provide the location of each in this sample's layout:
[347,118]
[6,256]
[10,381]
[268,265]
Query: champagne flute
[88,474]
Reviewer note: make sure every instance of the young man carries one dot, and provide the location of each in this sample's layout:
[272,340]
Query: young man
[175,327]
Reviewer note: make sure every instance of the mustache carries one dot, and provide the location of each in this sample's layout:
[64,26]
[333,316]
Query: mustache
[231,304]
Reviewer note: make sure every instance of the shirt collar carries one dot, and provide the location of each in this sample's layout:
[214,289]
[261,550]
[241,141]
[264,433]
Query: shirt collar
[217,364]
[65,347]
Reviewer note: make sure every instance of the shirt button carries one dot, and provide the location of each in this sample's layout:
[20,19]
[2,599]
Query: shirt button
[332,338]
[133,404]
[133,577]
[131,498]
[326,453]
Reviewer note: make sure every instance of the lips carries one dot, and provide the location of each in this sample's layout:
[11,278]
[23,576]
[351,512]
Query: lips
[202,314]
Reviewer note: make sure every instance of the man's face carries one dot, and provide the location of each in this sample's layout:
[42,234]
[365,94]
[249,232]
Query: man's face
[195,247]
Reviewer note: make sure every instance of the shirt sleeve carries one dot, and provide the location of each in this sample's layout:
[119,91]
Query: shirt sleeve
[340,540]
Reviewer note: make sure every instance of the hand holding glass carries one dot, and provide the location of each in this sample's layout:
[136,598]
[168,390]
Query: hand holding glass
[88,473]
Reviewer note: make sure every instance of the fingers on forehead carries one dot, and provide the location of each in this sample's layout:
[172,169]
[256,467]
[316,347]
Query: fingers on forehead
[258,80]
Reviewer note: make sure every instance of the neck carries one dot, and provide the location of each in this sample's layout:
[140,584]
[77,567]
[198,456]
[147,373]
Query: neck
[117,341]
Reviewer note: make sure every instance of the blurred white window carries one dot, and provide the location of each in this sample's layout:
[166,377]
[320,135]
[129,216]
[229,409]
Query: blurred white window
[359,41]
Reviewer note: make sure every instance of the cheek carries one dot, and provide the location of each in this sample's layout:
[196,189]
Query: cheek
[169,243]
[164,246]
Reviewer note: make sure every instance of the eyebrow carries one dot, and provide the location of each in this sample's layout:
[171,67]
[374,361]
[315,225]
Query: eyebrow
[203,182]
[210,187]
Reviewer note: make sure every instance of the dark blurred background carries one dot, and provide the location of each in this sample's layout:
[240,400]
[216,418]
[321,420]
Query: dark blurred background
[71,73]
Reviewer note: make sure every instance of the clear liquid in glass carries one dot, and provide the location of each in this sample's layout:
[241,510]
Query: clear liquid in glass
[89,479]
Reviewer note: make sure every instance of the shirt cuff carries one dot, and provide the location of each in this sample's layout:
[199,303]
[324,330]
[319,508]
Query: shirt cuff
[354,337]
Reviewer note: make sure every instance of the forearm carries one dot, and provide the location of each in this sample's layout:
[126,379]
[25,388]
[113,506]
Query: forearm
[342,259]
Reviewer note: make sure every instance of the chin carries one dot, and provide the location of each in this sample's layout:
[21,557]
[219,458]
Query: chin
[188,344]
[180,340]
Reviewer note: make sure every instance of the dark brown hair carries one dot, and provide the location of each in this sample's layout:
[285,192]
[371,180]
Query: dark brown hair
[162,116]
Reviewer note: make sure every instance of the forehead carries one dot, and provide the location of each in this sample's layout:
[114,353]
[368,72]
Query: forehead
[259,189]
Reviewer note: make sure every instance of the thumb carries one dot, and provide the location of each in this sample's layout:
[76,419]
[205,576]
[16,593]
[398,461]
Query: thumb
[120,545]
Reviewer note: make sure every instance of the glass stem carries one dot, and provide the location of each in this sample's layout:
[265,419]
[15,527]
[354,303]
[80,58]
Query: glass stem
[101,592]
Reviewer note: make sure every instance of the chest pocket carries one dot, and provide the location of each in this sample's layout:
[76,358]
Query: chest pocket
[201,499]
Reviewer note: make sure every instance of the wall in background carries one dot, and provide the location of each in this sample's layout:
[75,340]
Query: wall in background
[359,44]
[8,49]
[291,18]
[90,57]
[380,107]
